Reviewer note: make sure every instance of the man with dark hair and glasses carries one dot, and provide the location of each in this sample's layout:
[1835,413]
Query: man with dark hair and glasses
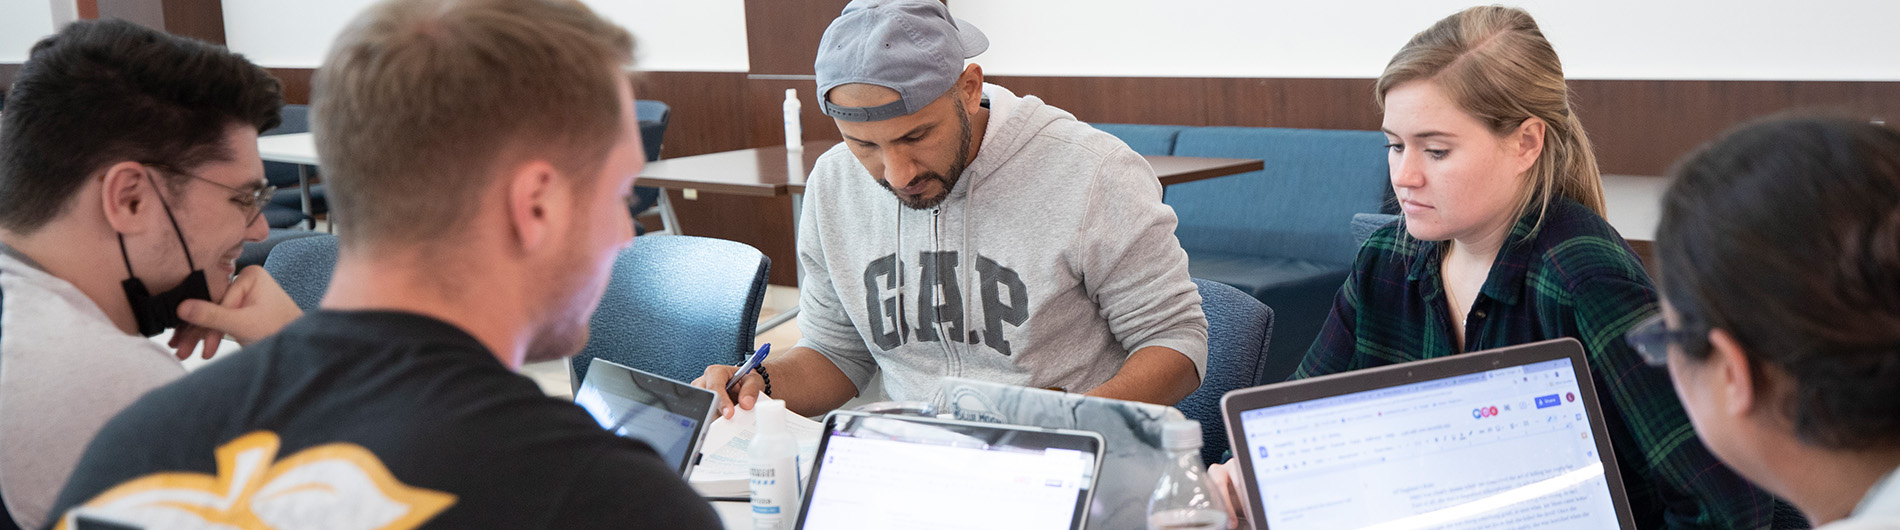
[129,181]
[1780,254]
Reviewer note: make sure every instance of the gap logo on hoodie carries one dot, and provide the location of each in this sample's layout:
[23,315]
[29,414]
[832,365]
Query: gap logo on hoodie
[940,302]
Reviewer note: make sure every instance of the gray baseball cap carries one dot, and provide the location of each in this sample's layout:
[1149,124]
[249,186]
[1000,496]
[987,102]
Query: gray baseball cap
[911,46]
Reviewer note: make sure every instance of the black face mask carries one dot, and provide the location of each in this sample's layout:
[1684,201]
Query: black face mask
[156,313]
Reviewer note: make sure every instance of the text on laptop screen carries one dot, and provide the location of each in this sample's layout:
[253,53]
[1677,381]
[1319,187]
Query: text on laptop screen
[1507,448]
[872,479]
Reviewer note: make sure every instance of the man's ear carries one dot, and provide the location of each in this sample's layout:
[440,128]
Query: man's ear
[126,193]
[970,86]
[1731,369]
[531,200]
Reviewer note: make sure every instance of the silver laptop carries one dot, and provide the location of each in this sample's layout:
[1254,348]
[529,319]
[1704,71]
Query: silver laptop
[1131,433]
[877,471]
[668,415]
[1505,438]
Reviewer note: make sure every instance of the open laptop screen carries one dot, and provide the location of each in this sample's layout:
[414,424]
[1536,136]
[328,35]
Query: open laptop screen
[1510,447]
[879,472]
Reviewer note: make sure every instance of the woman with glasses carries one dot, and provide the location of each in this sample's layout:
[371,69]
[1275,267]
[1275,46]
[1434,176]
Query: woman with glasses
[1503,242]
[1780,254]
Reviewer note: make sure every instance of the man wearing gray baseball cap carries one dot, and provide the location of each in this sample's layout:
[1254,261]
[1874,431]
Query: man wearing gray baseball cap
[961,230]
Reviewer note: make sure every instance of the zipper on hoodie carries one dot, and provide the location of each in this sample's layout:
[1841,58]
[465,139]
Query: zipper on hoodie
[951,361]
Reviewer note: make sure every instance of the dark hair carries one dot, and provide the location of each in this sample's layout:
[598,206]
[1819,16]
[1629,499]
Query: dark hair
[1786,234]
[102,92]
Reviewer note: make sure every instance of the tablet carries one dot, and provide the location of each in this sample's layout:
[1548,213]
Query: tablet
[668,415]
[878,472]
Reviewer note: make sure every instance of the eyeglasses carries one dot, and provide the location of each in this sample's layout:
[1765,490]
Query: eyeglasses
[1652,337]
[252,202]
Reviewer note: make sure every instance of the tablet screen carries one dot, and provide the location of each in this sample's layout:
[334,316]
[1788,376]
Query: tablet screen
[876,472]
[666,414]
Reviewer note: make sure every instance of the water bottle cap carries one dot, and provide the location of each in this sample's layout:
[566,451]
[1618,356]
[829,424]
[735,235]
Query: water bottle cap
[791,93]
[1180,435]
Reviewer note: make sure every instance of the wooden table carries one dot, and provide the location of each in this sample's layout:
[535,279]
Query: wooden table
[770,171]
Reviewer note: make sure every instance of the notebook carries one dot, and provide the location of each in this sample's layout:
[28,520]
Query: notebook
[668,415]
[1505,438]
[876,471]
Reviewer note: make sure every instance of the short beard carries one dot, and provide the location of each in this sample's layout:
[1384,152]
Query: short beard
[950,179]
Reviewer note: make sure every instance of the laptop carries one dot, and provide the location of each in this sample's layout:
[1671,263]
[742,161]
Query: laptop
[668,415]
[877,471]
[1131,432]
[1505,438]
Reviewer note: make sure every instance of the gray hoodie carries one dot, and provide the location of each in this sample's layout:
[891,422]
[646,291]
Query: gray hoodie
[1050,262]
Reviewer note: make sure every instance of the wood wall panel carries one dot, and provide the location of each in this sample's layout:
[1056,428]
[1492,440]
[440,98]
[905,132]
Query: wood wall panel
[1641,127]
[198,19]
[783,35]
[1180,101]
[296,83]
[707,110]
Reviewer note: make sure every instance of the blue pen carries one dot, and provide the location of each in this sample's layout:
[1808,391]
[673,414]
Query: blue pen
[745,369]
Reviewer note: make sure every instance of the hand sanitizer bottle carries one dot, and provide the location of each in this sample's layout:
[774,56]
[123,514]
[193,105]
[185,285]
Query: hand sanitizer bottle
[794,135]
[775,472]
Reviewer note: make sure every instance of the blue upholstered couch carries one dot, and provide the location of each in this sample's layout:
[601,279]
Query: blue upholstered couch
[1282,234]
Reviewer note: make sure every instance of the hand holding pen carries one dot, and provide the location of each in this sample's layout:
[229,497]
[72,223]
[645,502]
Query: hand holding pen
[728,382]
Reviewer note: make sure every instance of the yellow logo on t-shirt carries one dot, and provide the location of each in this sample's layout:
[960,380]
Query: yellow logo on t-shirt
[338,486]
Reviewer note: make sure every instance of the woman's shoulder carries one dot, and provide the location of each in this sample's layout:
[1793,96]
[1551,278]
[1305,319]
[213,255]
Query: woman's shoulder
[1579,246]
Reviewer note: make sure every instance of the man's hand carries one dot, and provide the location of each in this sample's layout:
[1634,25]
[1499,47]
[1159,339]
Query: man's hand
[254,307]
[1226,477]
[745,395]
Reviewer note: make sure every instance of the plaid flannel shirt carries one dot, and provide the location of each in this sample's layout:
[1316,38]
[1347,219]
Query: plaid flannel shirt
[1574,277]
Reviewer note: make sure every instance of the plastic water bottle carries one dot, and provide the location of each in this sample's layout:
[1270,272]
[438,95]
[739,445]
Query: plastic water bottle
[794,133]
[1184,498]
[773,458]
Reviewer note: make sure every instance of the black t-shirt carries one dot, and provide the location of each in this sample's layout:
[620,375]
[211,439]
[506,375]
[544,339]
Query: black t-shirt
[373,420]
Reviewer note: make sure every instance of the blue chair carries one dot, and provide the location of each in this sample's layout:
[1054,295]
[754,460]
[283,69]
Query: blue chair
[1364,224]
[303,267]
[1147,140]
[1276,233]
[1239,328]
[286,206]
[653,116]
[677,304]
[256,252]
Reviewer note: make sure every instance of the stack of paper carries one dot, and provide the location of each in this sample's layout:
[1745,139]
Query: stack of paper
[723,466]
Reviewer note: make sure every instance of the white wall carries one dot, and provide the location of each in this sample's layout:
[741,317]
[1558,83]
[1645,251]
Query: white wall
[674,35]
[22,23]
[1597,39]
